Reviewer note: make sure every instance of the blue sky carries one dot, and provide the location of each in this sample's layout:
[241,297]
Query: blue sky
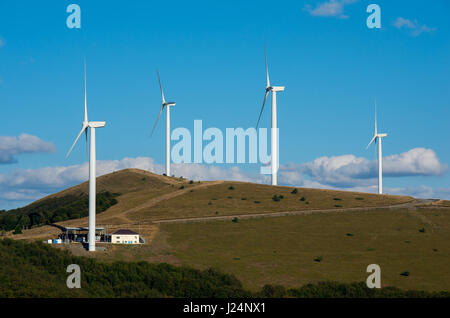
[211,58]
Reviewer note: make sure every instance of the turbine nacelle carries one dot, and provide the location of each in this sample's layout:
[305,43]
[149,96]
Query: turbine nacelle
[169,104]
[96,124]
[277,88]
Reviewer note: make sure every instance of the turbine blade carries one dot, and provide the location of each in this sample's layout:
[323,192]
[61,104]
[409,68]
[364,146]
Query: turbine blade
[85,94]
[78,137]
[374,138]
[267,67]
[87,150]
[154,126]
[262,108]
[160,87]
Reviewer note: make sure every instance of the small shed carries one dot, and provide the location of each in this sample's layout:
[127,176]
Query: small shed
[124,237]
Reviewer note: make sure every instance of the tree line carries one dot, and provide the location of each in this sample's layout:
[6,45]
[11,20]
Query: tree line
[52,210]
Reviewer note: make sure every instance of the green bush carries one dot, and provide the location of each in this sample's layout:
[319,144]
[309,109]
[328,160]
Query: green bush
[295,191]
[405,273]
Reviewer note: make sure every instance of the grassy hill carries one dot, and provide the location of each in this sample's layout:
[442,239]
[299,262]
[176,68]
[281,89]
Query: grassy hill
[141,197]
[312,235]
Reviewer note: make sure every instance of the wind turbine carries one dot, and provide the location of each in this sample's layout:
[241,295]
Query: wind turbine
[377,138]
[91,125]
[274,130]
[167,105]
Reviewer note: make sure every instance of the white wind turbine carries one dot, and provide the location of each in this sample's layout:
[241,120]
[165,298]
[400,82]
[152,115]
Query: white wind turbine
[167,105]
[377,138]
[274,130]
[92,192]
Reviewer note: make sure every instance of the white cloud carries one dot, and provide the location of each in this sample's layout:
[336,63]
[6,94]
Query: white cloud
[331,8]
[414,27]
[350,171]
[13,146]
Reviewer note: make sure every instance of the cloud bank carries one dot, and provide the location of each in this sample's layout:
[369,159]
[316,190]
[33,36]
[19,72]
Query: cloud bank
[10,147]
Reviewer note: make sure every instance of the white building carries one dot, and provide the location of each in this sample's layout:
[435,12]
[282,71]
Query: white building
[124,237]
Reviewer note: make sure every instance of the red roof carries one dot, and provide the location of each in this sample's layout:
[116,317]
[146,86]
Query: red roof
[125,232]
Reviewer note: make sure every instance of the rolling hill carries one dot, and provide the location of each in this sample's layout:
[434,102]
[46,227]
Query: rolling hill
[137,197]
[268,235]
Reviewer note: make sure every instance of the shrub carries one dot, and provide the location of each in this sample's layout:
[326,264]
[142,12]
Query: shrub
[405,273]
[295,191]
[229,197]
[18,230]
[191,182]
[181,187]
[318,259]
[257,202]
[422,230]
[337,199]
[276,198]
[302,199]
[338,206]
[244,198]
[359,198]
[231,188]
[235,220]
[273,291]
[349,234]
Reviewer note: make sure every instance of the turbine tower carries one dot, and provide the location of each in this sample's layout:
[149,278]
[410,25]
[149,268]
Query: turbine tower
[377,138]
[274,130]
[91,125]
[167,105]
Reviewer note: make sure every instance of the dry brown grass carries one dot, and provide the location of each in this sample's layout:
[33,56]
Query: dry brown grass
[445,203]
[282,250]
[249,198]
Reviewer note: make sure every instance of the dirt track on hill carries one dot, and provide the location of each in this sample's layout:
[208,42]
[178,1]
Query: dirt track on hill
[408,205]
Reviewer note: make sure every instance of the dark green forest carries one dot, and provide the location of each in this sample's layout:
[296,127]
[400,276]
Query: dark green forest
[38,270]
[53,210]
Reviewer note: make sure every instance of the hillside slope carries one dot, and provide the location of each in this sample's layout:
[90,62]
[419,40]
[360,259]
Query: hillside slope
[143,198]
